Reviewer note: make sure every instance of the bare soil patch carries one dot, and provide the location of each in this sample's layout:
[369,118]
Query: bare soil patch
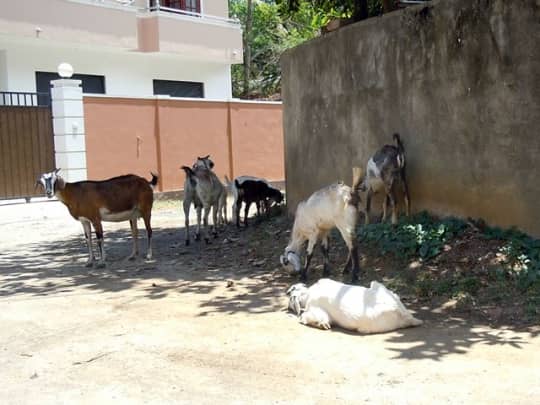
[206,324]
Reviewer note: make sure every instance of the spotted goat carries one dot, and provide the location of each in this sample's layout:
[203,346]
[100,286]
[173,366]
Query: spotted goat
[385,169]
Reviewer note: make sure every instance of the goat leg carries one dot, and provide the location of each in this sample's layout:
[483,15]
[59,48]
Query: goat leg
[385,207]
[309,255]
[205,224]
[215,220]
[347,263]
[148,227]
[368,205]
[303,275]
[389,189]
[324,247]
[405,192]
[88,236]
[355,263]
[199,214]
[134,237]
[246,212]
[394,208]
[187,205]
[236,212]
[101,248]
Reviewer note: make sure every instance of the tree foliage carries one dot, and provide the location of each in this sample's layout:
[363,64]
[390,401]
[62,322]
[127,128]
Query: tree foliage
[273,26]
[270,35]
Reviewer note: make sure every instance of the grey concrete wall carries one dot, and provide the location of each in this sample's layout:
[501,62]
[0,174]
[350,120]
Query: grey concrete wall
[458,79]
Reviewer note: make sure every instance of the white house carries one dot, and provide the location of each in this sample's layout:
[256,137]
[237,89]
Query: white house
[181,48]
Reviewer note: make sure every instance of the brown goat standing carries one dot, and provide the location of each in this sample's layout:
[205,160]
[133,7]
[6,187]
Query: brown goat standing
[123,198]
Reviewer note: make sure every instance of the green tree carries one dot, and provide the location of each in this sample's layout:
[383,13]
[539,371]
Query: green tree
[355,9]
[267,34]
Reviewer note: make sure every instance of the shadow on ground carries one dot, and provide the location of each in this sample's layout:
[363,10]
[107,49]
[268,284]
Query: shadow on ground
[238,273]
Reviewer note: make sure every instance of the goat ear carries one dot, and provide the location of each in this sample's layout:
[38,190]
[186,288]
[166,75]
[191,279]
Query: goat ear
[56,171]
[206,157]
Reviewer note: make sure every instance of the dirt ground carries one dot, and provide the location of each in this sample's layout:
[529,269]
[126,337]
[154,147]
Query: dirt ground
[207,324]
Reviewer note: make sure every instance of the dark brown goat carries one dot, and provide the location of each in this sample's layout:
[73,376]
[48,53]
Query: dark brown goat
[123,198]
[254,191]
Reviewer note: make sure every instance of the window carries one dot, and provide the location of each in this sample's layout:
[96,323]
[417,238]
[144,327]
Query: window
[90,84]
[193,6]
[179,89]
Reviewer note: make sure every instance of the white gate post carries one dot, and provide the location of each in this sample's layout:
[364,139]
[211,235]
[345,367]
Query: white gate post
[68,127]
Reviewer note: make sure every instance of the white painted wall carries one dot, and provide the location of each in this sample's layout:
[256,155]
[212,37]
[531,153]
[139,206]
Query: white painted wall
[3,71]
[126,73]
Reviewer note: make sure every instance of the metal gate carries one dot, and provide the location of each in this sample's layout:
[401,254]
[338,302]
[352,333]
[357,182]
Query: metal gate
[26,143]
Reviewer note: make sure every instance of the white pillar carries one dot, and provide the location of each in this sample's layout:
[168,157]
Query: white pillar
[68,126]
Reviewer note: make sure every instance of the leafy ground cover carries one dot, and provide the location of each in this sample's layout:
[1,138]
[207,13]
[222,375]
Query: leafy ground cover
[462,266]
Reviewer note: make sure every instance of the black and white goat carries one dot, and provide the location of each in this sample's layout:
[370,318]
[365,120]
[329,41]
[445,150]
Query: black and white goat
[253,191]
[210,193]
[276,195]
[384,169]
[335,206]
[123,198]
[365,310]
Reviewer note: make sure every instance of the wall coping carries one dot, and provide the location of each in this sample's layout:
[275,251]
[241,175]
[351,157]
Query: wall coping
[191,99]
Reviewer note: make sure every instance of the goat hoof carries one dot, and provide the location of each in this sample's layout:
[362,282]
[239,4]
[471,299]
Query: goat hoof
[197,237]
[132,258]
[207,240]
[101,265]
[89,264]
[187,242]
[215,235]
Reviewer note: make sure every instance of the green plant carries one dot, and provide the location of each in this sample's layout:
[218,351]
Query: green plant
[423,235]
[521,255]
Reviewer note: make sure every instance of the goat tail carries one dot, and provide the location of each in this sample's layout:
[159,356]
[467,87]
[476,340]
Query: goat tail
[237,184]
[401,149]
[154,180]
[356,186]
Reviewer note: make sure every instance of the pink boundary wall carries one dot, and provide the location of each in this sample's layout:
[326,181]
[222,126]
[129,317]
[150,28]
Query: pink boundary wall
[129,135]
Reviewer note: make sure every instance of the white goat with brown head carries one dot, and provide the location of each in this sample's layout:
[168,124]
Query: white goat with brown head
[384,170]
[123,198]
[335,206]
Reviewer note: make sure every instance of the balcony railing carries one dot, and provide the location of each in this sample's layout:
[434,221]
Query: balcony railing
[159,6]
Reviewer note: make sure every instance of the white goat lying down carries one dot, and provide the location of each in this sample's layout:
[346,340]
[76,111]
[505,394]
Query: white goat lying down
[366,310]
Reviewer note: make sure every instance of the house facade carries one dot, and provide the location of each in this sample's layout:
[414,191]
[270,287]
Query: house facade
[132,48]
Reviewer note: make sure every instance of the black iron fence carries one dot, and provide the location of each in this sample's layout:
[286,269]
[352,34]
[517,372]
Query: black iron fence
[24,99]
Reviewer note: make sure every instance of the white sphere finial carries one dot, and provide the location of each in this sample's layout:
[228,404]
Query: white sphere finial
[65,70]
